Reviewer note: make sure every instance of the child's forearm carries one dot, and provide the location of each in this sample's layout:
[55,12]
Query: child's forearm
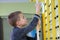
[32,25]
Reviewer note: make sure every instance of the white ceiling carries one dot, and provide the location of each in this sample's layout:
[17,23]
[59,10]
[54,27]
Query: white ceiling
[3,1]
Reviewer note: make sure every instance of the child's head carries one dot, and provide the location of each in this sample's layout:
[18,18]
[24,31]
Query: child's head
[17,19]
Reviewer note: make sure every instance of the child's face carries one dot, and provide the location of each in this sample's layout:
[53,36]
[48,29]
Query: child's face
[22,21]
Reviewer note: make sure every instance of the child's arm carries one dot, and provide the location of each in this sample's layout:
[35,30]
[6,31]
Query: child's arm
[32,25]
[34,22]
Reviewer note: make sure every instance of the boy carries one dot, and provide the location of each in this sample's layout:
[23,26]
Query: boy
[17,20]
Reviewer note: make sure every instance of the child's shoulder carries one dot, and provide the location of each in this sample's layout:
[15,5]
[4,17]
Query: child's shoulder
[16,29]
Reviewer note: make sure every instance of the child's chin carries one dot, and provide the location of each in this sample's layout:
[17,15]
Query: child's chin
[24,25]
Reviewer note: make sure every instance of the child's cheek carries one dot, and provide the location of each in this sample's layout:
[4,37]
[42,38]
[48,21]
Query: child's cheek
[24,22]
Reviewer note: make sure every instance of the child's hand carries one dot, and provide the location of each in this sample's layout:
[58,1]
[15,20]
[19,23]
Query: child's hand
[38,8]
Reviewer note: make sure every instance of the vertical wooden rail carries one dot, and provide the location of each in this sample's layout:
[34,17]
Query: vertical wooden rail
[44,19]
[44,27]
[59,14]
[48,19]
[53,20]
[59,11]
